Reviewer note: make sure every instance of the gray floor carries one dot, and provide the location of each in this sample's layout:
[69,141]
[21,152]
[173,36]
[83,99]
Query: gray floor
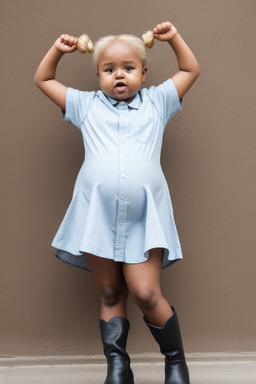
[201,373]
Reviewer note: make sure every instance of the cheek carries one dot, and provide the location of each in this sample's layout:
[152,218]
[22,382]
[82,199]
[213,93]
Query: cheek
[104,83]
[104,79]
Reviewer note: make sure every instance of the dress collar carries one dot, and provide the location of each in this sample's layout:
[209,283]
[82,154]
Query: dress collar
[135,104]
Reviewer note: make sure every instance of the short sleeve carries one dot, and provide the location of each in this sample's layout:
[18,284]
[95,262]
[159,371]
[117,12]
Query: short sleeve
[77,106]
[166,100]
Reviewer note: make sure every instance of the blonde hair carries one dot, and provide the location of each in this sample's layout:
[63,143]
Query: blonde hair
[136,43]
[86,45]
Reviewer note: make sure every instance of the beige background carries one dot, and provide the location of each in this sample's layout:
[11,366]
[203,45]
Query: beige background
[50,308]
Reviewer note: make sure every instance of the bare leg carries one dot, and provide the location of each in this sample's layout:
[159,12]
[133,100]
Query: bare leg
[114,325]
[143,281]
[111,284]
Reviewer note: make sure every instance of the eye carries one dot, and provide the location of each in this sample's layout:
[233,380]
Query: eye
[109,70]
[129,68]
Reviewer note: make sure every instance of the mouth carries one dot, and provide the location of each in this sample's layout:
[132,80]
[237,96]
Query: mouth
[120,86]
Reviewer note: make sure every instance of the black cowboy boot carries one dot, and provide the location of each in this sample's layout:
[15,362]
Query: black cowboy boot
[114,336]
[169,339]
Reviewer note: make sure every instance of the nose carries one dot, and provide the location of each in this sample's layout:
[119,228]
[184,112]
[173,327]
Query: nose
[119,73]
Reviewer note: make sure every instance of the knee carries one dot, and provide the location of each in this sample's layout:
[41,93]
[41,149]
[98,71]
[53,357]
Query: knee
[146,297]
[112,296]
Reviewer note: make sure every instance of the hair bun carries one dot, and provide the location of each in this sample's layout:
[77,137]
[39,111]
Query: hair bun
[148,39]
[84,44]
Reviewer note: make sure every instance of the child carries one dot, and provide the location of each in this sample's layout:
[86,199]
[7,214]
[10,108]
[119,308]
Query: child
[120,222]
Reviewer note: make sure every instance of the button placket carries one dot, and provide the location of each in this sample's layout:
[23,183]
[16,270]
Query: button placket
[122,184]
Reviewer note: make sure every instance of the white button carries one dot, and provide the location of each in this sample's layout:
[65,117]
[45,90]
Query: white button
[123,157]
[121,118]
[122,139]
[122,102]
[120,223]
[123,174]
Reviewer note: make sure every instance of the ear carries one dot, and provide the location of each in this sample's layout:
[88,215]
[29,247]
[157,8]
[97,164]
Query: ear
[144,74]
[99,78]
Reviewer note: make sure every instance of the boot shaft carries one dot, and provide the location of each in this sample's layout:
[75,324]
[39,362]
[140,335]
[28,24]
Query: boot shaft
[168,337]
[169,340]
[114,337]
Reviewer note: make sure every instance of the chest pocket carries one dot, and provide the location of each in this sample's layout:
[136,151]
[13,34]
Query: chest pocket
[144,130]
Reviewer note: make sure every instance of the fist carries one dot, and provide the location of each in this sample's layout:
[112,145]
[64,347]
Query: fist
[66,43]
[164,31]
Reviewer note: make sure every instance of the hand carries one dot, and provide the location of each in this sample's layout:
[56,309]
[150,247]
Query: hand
[66,43]
[164,31]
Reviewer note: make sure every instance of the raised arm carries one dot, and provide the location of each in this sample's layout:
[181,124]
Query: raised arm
[45,74]
[188,65]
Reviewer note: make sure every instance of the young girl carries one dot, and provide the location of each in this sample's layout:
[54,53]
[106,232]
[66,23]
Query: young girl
[120,221]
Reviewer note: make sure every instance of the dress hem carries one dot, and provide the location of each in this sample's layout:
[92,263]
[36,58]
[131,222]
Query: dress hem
[67,257]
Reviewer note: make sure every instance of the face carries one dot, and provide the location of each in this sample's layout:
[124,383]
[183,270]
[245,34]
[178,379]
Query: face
[120,71]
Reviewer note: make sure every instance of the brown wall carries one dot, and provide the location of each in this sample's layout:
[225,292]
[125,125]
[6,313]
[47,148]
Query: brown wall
[208,156]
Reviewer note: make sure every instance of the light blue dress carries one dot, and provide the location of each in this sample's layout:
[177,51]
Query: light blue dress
[121,206]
